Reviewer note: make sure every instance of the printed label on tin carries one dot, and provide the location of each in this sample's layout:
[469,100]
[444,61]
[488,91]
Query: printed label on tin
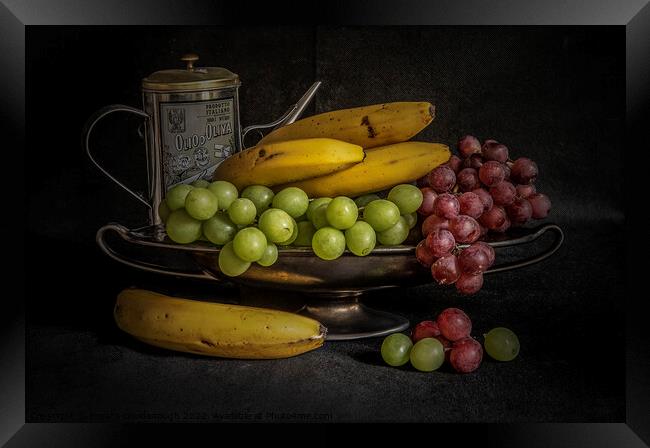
[196,136]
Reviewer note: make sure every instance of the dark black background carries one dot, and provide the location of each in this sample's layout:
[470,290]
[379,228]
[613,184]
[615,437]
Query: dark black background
[555,94]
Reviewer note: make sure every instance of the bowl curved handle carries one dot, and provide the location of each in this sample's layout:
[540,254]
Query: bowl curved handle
[129,236]
[557,242]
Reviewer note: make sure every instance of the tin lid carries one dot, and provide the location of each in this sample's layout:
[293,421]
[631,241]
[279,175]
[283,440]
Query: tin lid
[191,78]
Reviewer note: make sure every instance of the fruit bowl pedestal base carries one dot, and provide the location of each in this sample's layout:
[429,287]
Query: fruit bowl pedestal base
[343,314]
[350,319]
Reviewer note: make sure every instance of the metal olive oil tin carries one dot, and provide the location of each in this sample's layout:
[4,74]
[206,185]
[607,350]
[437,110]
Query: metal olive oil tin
[192,124]
[194,120]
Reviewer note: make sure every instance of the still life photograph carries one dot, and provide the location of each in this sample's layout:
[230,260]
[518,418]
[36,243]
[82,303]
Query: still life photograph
[327,224]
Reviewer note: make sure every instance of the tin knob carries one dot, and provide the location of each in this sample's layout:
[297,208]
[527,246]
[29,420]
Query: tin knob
[190,58]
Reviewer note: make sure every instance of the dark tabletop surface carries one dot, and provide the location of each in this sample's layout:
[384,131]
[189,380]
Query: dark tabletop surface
[554,94]
[569,368]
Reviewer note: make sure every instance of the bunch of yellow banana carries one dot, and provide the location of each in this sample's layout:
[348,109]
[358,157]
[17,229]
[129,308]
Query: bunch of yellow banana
[382,168]
[215,329]
[367,126]
[324,154]
[276,163]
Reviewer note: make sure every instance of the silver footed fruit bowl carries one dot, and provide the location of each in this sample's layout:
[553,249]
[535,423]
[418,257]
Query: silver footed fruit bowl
[328,291]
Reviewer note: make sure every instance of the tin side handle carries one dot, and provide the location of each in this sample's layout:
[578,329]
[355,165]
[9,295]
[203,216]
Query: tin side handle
[90,124]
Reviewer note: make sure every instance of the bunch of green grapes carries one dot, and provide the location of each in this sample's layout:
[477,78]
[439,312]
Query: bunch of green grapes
[251,227]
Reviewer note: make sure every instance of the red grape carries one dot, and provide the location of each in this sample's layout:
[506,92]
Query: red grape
[474,259]
[469,145]
[465,229]
[446,345]
[454,324]
[474,161]
[488,142]
[503,193]
[524,191]
[432,223]
[524,171]
[424,255]
[541,205]
[503,227]
[484,230]
[506,169]
[440,242]
[489,250]
[485,197]
[494,218]
[425,329]
[454,163]
[470,204]
[446,206]
[469,283]
[442,179]
[445,270]
[467,179]
[428,196]
[491,173]
[495,151]
[422,181]
[520,211]
[466,355]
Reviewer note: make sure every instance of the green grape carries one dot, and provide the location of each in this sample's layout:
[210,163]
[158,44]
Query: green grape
[242,211]
[407,197]
[366,199]
[342,213]
[200,183]
[219,229]
[328,243]
[270,255]
[411,219]
[229,263]
[306,232]
[249,244]
[163,210]
[260,195]
[395,235]
[294,235]
[176,196]
[427,354]
[201,204]
[360,238]
[502,344]
[182,228]
[302,217]
[314,204]
[395,349]
[319,216]
[381,214]
[225,192]
[292,200]
[276,224]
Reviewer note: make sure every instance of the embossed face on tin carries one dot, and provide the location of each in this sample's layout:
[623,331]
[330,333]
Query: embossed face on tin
[176,120]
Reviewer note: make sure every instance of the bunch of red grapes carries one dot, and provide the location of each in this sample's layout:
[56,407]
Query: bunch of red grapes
[452,328]
[479,192]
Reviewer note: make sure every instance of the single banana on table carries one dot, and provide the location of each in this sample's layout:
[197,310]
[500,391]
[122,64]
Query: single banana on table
[367,126]
[382,168]
[277,163]
[215,329]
